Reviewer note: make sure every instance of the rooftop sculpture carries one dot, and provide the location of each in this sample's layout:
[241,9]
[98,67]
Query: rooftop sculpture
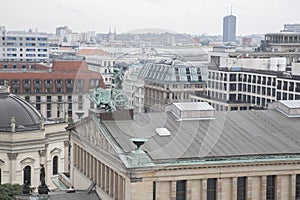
[110,100]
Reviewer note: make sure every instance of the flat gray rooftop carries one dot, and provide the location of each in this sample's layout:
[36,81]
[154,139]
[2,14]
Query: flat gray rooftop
[291,103]
[230,134]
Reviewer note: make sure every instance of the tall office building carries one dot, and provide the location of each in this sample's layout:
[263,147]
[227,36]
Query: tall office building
[229,28]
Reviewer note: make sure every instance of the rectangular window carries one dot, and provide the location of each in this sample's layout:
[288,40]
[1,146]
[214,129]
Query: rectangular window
[298,187]
[154,191]
[181,190]
[48,114]
[271,188]
[241,188]
[59,99]
[27,98]
[38,99]
[211,189]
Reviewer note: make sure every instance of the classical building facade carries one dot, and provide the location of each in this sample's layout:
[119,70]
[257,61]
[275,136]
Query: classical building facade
[190,152]
[26,143]
[57,91]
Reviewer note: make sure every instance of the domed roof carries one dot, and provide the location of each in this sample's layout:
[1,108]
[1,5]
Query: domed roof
[26,116]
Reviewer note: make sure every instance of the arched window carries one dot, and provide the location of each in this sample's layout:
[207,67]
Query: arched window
[27,175]
[55,165]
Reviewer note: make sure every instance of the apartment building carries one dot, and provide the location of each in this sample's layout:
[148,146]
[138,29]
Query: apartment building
[133,87]
[57,91]
[30,46]
[166,82]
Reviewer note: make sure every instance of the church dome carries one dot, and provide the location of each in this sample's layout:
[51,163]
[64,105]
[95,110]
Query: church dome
[26,116]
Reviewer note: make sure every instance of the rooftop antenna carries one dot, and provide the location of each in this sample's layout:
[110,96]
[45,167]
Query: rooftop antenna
[231,10]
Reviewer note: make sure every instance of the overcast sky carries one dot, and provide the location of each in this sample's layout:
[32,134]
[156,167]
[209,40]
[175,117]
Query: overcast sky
[183,16]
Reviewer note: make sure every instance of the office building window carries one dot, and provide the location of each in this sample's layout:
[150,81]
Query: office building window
[181,190]
[271,187]
[211,189]
[241,188]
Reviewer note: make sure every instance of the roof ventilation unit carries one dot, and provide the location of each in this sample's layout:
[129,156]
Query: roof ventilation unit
[162,132]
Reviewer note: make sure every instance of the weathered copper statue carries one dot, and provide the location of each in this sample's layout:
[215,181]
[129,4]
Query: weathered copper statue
[110,100]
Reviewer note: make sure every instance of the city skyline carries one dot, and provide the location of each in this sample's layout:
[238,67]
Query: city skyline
[191,16]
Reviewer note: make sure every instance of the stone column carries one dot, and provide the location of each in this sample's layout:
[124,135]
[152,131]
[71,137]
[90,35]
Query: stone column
[263,187]
[12,166]
[283,187]
[249,188]
[293,186]
[189,189]
[66,155]
[219,188]
[173,190]
[256,187]
[204,189]
[194,188]
[234,188]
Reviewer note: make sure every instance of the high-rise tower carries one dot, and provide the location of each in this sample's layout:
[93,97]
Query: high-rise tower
[229,28]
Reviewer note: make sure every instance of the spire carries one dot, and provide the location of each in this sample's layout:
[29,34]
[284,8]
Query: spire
[109,32]
[115,32]
[231,10]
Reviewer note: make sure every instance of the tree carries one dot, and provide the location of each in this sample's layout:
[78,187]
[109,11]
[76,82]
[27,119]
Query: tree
[8,191]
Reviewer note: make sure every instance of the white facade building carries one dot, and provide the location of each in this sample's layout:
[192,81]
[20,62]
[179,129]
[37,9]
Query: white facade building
[23,46]
[133,87]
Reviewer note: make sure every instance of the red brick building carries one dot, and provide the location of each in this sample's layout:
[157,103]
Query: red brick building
[57,90]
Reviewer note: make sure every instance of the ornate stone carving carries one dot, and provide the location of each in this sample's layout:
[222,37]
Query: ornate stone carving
[67,143]
[12,156]
[95,136]
[42,152]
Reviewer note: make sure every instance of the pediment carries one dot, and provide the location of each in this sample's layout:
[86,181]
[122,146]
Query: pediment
[55,151]
[95,135]
[27,161]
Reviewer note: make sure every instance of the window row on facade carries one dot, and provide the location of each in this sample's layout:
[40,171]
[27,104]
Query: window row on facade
[13,38]
[241,188]
[108,180]
[243,77]
[38,86]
